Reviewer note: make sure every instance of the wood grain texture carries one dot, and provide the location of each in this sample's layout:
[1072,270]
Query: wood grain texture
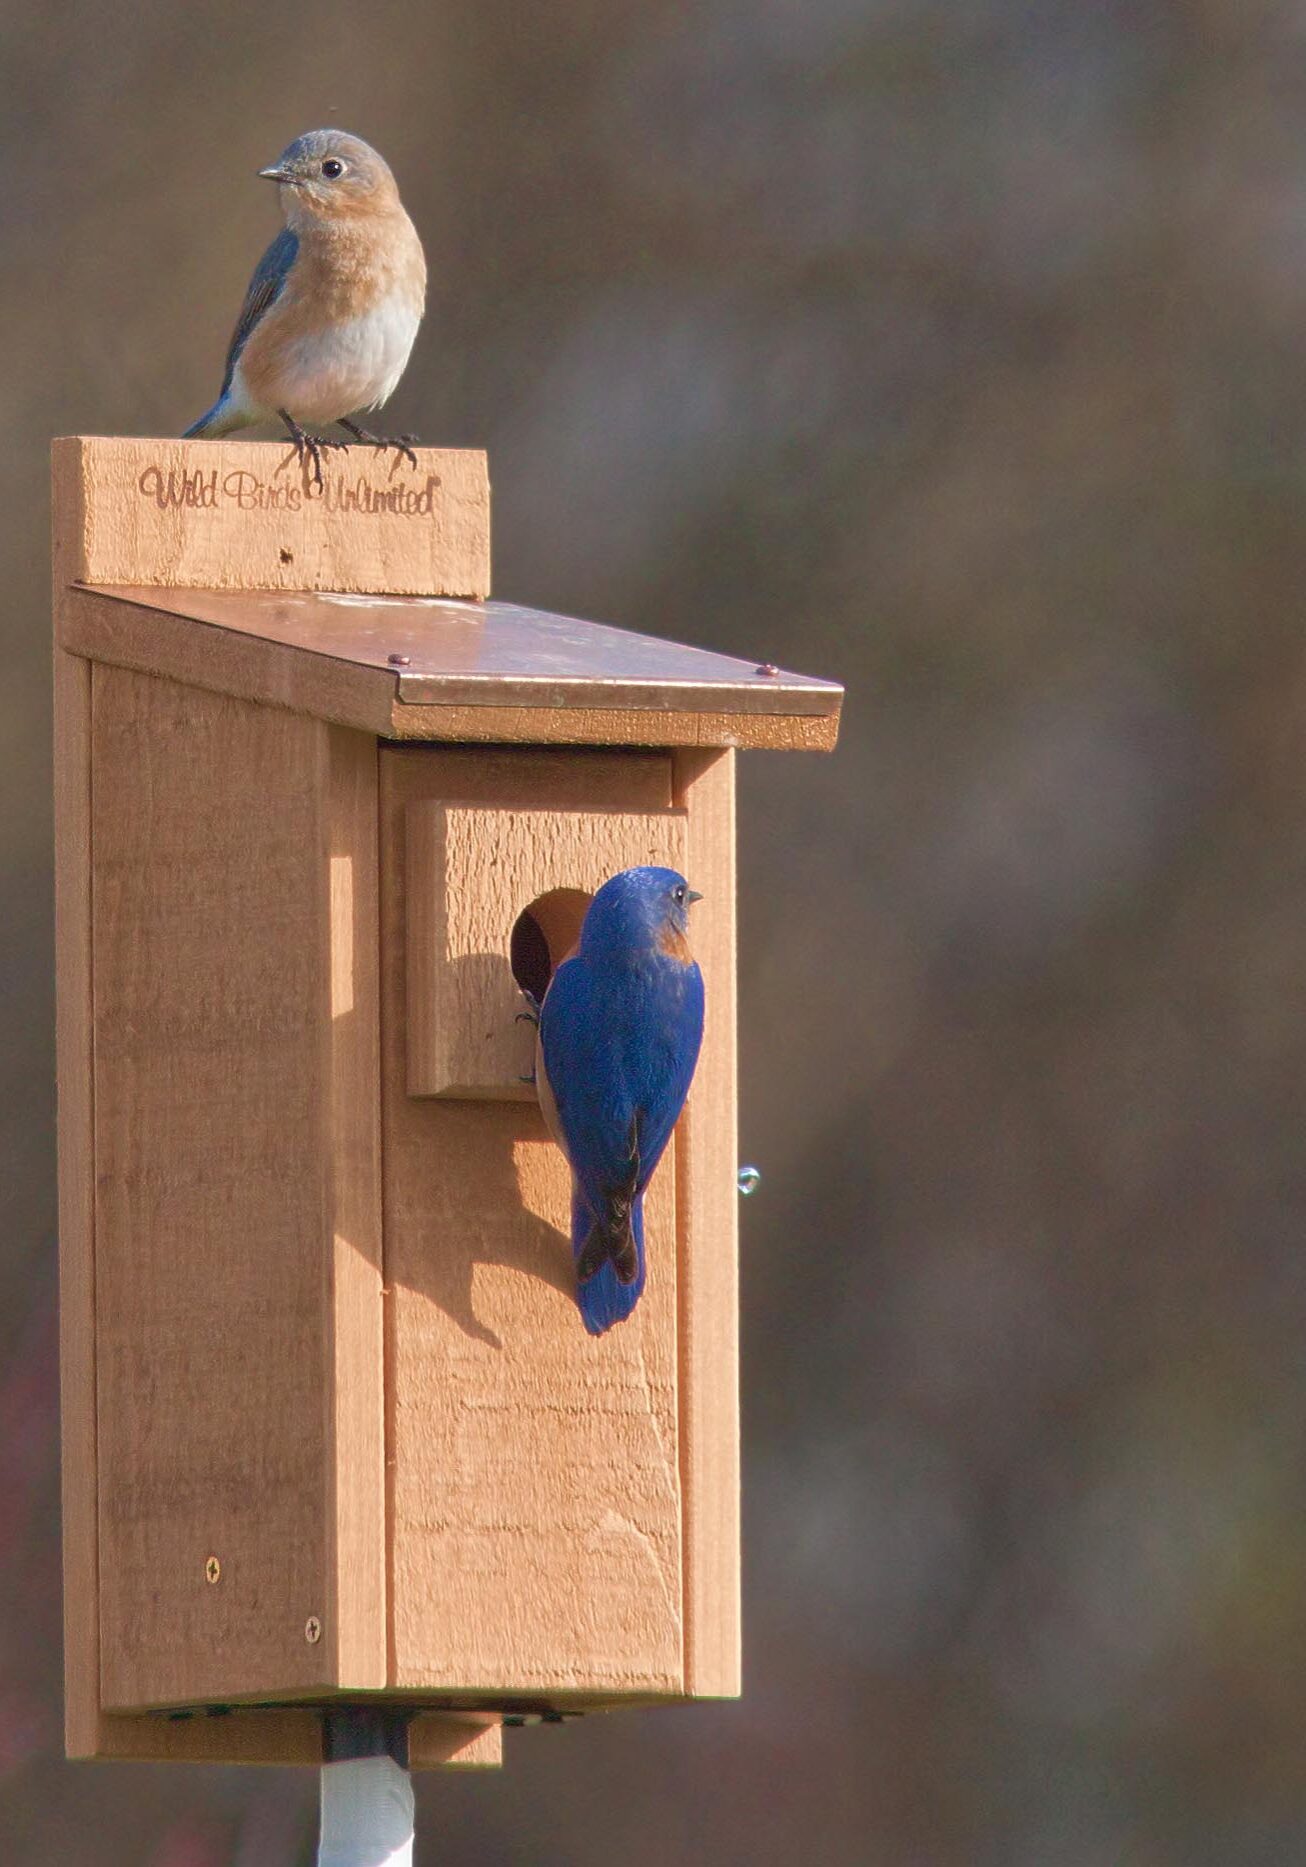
[250,1736]
[708,1214]
[244,515]
[72,801]
[222,1302]
[246,1736]
[470,870]
[534,1479]
[440,1743]
[279,1737]
[759,732]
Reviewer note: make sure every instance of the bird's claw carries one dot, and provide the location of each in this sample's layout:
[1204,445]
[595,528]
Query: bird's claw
[530,1016]
[308,446]
[403,444]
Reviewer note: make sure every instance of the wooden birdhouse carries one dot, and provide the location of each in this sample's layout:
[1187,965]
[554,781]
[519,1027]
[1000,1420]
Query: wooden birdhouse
[333,1430]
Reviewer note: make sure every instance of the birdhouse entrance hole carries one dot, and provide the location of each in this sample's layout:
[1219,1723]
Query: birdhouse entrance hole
[543,935]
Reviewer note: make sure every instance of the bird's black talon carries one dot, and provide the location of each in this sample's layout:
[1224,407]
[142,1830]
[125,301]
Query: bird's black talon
[528,1017]
[403,444]
[307,446]
[528,1079]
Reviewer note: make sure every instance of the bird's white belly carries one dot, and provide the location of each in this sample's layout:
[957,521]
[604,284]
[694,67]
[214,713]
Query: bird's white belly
[352,365]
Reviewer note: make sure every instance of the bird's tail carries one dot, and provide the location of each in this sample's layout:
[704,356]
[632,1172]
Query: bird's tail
[220,419]
[609,1253]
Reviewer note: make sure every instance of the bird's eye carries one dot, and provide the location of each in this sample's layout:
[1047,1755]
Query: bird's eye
[678,894]
[332,167]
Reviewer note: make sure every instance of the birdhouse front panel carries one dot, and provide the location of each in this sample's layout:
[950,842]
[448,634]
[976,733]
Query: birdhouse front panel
[537,1526]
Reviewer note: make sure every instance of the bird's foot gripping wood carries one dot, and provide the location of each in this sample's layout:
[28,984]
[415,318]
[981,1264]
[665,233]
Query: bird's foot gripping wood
[309,446]
[531,1017]
[403,444]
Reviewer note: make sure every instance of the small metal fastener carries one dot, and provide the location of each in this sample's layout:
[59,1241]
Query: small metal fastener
[767,667]
[748,1179]
[312,1630]
[212,1569]
[399,661]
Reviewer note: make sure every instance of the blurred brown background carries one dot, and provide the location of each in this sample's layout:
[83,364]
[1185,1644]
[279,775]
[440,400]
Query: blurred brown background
[953,348]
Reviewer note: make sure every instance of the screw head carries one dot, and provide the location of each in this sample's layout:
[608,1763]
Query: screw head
[399,661]
[767,667]
[212,1569]
[312,1630]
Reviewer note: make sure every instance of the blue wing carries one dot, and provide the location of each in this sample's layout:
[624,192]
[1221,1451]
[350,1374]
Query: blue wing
[264,289]
[618,1049]
[620,1045]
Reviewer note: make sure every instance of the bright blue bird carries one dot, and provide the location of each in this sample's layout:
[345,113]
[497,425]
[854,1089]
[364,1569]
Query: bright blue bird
[620,1029]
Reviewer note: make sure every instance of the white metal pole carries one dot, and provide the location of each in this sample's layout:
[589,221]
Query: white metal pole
[367,1814]
[367,1794]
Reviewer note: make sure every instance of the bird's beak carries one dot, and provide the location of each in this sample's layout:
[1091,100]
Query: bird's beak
[277,175]
[692,897]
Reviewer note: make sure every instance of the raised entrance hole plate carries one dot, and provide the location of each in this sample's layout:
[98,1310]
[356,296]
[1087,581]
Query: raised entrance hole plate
[477,876]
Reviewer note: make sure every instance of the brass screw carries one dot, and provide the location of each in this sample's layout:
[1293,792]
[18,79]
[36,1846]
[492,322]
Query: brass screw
[312,1630]
[212,1569]
[399,661]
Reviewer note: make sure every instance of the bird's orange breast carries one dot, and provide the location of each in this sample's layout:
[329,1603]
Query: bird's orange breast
[673,944]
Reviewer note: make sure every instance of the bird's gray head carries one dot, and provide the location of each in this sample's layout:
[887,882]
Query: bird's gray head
[328,174]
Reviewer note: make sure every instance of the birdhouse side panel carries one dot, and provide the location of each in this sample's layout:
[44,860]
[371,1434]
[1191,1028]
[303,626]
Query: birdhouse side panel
[708,1202]
[74,1069]
[535,1512]
[223,1292]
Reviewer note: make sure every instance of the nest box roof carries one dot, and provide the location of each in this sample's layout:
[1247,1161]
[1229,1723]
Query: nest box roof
[427,667]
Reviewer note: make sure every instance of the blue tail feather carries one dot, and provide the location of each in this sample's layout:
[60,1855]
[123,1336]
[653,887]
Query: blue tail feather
[222,418]
[603,1298]
[200,428]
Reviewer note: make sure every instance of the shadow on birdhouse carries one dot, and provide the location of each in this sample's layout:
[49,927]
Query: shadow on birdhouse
[333,1431]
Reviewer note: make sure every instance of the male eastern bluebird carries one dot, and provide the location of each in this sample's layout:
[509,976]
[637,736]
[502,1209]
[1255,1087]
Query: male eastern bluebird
[334,305]
[619,1033]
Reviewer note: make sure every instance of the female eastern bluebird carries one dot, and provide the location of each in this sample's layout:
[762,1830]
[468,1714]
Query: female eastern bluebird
[619,1033]
[334,305]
